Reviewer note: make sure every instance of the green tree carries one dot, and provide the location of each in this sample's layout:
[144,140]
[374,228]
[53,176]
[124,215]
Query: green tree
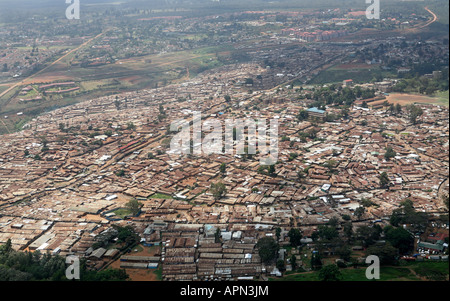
[368,235]
[109,274]
[345,113]
[127,236]
[6,248]
[11,274]
[333,222]
[293,262]
[120,173]
[396,217]
[223,168]
[218,190]
[278,232]
[344,252]
[294,237]
[27,266]
[399,238]
[360,212]
[267,249]
[280,265]
[346,217]
[315,236]
[414,113]
[134,206]
[398,108]
[301,175]
[217,236]
[302,115]
[312,133]
[390,153]
[384,180]
[327,232]
[271,170]
[330,272]
[117,103]
[367,203]
[406,214]
[387,253]
[316,260]
[348,229]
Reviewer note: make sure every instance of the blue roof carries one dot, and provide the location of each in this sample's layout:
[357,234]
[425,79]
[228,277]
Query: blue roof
[315,110]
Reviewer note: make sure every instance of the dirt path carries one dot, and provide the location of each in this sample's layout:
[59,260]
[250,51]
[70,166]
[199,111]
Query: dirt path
[435,18]
[417,275]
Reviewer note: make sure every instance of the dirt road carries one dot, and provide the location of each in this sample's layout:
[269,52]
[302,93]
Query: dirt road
[435,18]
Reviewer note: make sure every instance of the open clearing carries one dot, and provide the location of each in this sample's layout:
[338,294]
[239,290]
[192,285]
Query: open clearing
[406,99]
[134,73]
[358,72]
[141,274]
[416,271]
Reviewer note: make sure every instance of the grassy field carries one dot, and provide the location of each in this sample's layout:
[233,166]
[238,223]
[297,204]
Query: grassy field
[360,73]
[405,99]
[3,88]
[431,270]
[417,271]
[160,196]
[122,212]
[443,97]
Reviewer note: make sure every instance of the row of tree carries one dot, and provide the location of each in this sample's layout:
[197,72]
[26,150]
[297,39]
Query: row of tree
[27,266]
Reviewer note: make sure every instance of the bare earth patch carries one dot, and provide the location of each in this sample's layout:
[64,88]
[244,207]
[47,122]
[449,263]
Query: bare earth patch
[406,99]
[139,274]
